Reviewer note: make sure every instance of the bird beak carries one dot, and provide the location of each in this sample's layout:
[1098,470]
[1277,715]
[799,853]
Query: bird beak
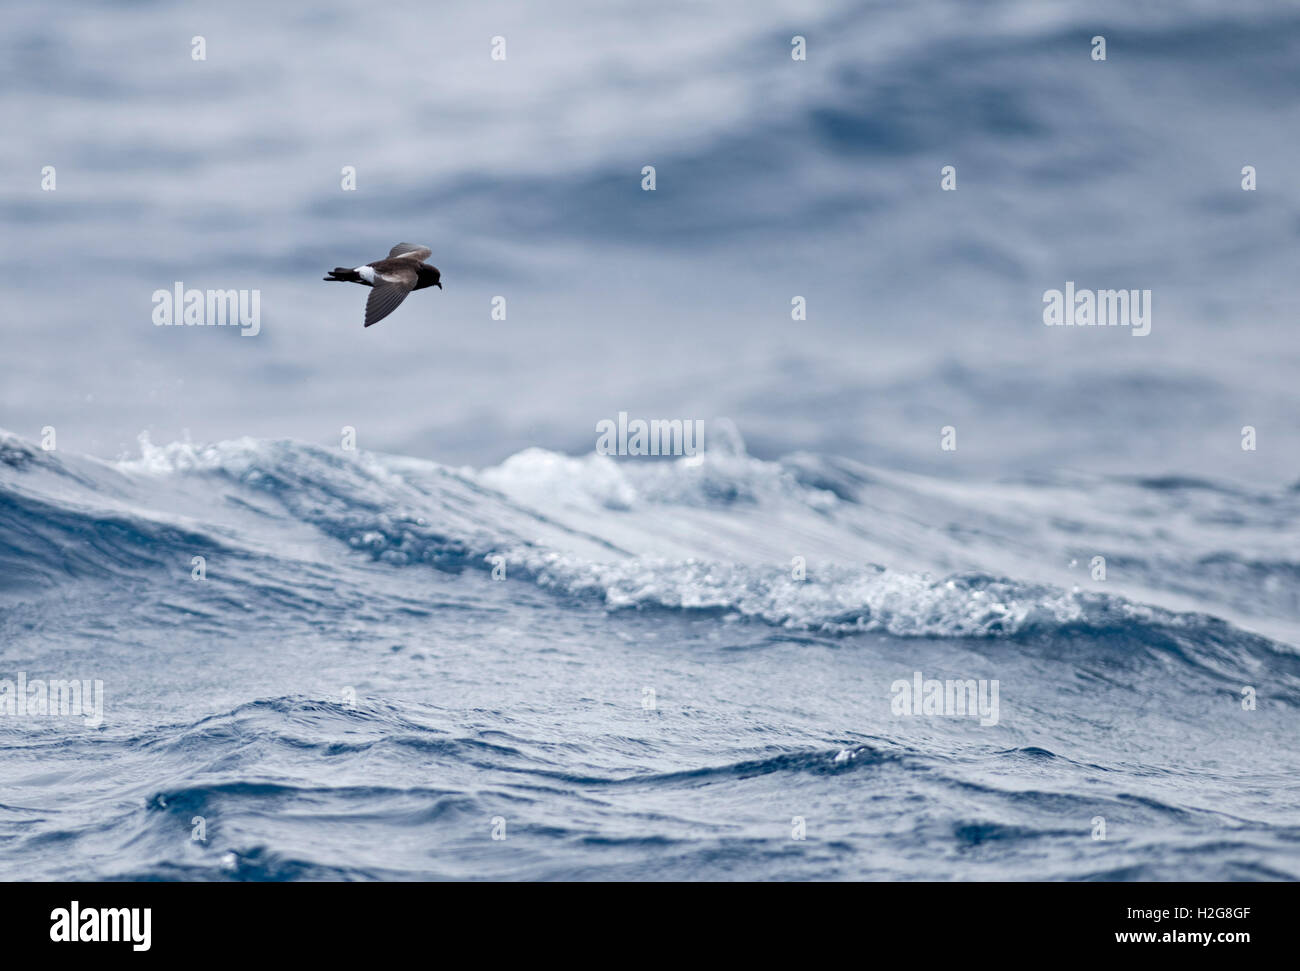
[438,284]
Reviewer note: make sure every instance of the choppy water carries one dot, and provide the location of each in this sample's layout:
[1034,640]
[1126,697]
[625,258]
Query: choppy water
[332,576]
[648,687]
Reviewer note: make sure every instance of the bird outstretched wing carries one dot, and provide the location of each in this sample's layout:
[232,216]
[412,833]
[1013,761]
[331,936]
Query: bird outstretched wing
[391,288]
[410,251]
[383,300]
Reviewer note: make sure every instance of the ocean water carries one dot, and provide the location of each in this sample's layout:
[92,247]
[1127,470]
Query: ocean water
[643,689]
[473,648]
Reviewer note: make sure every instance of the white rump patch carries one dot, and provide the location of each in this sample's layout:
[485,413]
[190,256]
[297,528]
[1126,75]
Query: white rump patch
[366,273]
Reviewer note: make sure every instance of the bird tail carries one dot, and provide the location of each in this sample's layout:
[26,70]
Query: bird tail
[344,274]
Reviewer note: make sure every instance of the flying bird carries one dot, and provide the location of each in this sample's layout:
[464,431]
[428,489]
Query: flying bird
[392,279]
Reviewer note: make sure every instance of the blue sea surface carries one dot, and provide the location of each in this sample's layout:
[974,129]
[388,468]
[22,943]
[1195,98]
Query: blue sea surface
[385,661]
[474,648]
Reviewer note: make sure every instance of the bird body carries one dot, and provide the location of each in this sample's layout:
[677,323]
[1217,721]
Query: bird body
[391,279]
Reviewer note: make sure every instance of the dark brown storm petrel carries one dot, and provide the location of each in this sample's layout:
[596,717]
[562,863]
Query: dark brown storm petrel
[392,279]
